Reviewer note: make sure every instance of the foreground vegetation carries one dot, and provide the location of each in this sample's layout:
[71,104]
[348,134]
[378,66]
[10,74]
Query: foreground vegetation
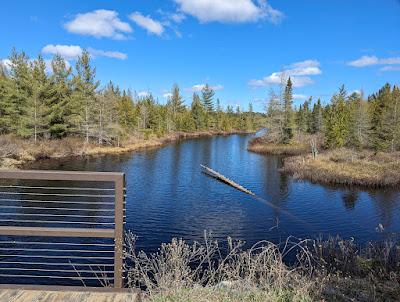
[351,140]
[306,270]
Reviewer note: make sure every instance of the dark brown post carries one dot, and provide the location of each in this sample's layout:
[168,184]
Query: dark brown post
[119,230]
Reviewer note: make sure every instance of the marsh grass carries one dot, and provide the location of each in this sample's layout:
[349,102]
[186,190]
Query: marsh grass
[300,145]
[347,167]
[207,272]
[321,270]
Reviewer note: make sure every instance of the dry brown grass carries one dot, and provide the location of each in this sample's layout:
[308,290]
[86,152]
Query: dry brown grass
[324,270]
[15,152]
[347,167]
[300,145]
[207,272]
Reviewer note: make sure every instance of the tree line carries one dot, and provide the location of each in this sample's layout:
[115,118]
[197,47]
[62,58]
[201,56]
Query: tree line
[348,120]
[37,104]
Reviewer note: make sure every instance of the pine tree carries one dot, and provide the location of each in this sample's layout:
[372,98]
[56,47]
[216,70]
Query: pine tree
[37,103]
[20,92]
[86,88]
[7,108]
[288,121]
[197,111]
[207,97]
[58,99]
[317,118]
[337,120]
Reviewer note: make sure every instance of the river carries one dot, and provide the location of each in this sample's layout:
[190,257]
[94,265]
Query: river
[168,196]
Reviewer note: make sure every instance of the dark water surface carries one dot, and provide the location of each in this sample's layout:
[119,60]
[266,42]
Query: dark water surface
[168,196]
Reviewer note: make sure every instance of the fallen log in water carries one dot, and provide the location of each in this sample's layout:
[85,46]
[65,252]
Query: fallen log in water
[226,180]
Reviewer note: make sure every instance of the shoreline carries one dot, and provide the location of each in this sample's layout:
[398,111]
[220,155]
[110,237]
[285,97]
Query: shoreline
[29,152]
[344,167]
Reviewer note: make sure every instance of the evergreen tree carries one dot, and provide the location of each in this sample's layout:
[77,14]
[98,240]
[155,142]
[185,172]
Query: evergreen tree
[317,118]
[58,99]
[37,103]
[337,120]
[86,89]
[197,111]
[20,92]
[7,108]
[288,121]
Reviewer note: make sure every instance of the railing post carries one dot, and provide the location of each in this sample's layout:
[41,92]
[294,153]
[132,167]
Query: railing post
[119,231]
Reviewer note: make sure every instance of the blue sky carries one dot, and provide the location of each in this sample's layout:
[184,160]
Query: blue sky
[240,47]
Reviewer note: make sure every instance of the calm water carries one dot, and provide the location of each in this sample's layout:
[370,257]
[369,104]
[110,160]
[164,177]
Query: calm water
[168,196]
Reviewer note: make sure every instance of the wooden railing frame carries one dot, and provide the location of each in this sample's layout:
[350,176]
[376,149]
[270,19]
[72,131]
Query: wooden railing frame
[117,233]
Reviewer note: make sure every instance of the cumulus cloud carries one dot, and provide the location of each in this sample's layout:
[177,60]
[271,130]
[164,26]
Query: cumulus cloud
[100,24]
[299,73]
[71,52]
[152,26]
[199,87]
[66,51]
[373,60]
[230,11]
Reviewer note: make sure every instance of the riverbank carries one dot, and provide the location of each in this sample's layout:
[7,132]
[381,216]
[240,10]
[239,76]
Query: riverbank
[300,145]
[16,152]
[347,167]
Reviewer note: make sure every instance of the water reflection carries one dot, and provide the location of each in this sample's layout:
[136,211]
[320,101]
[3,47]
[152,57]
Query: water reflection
[167,195]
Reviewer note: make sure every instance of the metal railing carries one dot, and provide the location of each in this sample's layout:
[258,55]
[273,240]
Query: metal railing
[58,227]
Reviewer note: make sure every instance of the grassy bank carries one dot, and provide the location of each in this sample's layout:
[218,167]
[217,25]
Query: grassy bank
[347,167]
[15,152]
[325,270]
[300,145]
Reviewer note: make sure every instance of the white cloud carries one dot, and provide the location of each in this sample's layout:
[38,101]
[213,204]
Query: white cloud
[167,95]
[390,68]
[230,11]
[109,54]
[300,96]
[373,60]
[99,23]
[177,17]
[143,94]
[66,51]
[199,87]
[71,52]
[299,73]
[6,63]
[152,26]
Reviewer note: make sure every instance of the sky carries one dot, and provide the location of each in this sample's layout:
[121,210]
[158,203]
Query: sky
[241,48]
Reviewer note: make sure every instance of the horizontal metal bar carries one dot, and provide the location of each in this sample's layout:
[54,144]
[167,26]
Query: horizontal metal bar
[56,257]
[55,194]
[57,188]
[57,277]
[54,250]
[58,264]
[61,175]
[55,270]
[59,209]
[54,221]
[60,201]
[58,243]
[56,232]
[56,215]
